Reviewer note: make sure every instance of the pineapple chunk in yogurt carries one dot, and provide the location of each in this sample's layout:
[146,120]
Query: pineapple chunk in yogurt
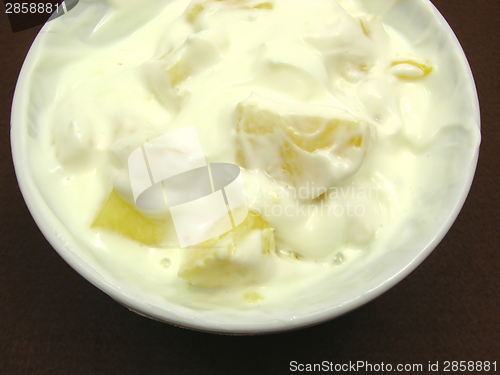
[240,257]
[118,216]
[309,147]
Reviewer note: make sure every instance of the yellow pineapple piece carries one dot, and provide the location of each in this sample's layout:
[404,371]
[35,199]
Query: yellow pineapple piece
[268,6]
[290,160]
[197,55]
[178,73]
[364,28]
[256,222]
[194,12]
[371,26]
[300,145]
[252,297]
[120,217]
[426,70]
[310,133]
[235,258]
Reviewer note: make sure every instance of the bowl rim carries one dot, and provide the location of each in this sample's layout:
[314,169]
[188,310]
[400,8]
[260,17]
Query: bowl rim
[48,223]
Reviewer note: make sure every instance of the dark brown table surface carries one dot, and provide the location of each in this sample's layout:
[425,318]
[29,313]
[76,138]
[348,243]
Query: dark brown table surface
[52,321]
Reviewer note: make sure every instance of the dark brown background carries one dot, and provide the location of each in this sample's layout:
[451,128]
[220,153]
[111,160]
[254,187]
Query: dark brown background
[52,321]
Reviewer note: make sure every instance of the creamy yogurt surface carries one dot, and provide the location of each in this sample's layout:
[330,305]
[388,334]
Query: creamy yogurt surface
[347,133]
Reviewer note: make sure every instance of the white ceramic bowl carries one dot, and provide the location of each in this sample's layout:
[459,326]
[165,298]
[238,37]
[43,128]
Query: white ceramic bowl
[416,19]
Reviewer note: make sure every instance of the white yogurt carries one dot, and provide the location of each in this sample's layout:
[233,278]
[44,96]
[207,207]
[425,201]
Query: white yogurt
[112,76]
